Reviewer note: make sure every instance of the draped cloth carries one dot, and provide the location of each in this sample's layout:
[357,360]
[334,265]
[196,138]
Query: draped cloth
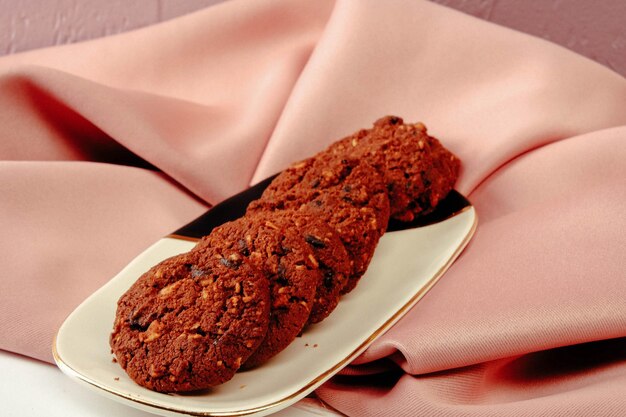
[108,145]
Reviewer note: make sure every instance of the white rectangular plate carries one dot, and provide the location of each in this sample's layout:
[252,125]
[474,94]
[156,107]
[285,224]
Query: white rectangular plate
[405,266]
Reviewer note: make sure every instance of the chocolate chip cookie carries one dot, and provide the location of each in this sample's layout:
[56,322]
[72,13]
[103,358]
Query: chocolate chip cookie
[418,171]
[282,254]
[191,321]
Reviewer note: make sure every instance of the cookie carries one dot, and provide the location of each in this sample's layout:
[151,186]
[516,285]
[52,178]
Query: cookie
[191,321]
[331,256]
[418,171]
[347,194]
[281,253]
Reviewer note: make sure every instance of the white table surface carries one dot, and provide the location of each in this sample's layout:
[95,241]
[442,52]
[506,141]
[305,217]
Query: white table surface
[32,388]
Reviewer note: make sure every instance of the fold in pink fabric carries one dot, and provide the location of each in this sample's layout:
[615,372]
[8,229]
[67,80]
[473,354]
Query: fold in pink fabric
[108,145]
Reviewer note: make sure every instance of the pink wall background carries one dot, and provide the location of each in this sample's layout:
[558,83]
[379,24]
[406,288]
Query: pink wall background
[596,29]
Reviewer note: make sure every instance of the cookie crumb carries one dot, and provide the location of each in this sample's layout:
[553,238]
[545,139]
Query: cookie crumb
[315,345]
[242,386]
[114,360]
[306,344]
[116,378]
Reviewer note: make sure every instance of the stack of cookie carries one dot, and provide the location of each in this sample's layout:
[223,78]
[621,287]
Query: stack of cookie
[245,291]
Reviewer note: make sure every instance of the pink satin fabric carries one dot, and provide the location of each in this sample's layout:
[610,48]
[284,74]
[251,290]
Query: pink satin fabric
[108,145]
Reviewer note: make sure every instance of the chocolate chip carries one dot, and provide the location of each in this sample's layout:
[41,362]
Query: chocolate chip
[347,167]
[281,278]
[228,263]
[314,241]
[328,278]
[424,201]
[135,323]
[196,272]
[243,247]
